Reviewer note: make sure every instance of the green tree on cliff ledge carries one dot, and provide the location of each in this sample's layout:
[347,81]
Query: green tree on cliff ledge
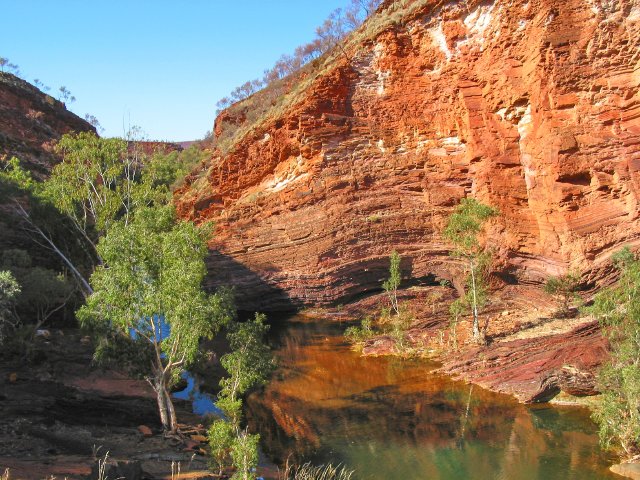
[463,229]
[618,310]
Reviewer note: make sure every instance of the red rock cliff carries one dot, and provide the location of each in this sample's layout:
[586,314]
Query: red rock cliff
[30,123]
[532,107]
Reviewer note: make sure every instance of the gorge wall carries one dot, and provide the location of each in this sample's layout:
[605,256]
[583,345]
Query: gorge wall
[531,107]
[31,121]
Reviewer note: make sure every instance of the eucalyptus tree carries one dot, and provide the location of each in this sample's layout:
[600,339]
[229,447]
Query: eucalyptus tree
[91,185]
[29,201]
[151,277]
[463,230]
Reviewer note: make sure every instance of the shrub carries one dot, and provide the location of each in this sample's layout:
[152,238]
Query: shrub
[9,291]
[359,334]
[564,288]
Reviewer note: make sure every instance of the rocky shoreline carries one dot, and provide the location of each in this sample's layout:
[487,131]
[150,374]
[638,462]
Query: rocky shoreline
[531,355]
[59,416]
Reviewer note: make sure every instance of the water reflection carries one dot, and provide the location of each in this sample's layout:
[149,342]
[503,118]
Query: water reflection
[394,419]
[202,402]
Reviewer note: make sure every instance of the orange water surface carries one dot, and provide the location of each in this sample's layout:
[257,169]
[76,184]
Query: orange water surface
[391,418]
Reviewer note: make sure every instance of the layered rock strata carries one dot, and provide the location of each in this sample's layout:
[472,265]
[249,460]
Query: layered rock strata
[530,107]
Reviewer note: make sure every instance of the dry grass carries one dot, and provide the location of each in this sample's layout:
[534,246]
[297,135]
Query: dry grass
[322,472]
[544,326]
[266,104]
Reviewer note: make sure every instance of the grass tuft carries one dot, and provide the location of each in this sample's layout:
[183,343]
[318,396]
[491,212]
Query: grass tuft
[321,472]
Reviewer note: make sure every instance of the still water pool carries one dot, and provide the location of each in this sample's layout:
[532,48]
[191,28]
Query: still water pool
[388,418]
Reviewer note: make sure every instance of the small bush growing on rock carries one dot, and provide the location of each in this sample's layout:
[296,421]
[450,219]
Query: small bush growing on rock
[393,282]
[397,324]
[565,289]
[359,334]
[393,319]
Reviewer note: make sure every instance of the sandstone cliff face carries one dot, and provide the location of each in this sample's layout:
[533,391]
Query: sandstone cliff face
[532,107]
[31,121]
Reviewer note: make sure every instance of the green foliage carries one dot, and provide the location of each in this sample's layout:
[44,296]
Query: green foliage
[231,407]
[476,292]
[393,320]
[393,282]
[88,185]
[154,268]
[565,289]
[118,351]
[244,453]
[30,208]
[465,224]
[168,170]
[463,229]
[618,310]
[359,334]
[250,362]
[221,437]
[44,291]
[9,291]
[397,324]
[21,178]
[102,180]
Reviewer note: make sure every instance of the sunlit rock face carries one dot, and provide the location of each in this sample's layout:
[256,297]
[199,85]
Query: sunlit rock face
[532,107]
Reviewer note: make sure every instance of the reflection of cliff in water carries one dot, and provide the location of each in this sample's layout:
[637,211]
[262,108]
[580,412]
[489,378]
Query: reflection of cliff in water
[390,418]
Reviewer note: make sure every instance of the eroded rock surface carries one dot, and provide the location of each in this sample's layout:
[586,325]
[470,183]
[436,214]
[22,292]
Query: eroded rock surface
[536,369]
[532,107]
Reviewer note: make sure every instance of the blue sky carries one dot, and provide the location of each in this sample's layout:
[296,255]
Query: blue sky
[161,65]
